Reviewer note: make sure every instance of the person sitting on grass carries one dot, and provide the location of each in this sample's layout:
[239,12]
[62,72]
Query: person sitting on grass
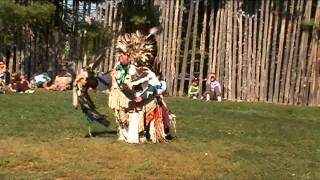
[214,89]
[25,84]
[2,85]
[20,84]
[193,91]
[41,80]
[61,82]
[4,72]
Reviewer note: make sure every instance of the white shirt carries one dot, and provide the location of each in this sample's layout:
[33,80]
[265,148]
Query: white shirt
[215,84]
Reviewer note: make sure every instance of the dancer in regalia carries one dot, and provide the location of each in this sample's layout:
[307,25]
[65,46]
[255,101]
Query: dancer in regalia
[139,109]
[134,92]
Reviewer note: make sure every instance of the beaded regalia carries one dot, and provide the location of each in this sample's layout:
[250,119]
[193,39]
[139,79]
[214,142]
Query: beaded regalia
[139,108]
[134,92]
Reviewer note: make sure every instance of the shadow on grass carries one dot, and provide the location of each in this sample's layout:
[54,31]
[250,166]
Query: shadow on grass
[109,133]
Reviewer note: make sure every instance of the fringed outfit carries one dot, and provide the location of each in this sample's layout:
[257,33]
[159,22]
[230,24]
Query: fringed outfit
[148,118]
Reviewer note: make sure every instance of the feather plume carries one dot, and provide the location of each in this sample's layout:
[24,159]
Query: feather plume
[140,49]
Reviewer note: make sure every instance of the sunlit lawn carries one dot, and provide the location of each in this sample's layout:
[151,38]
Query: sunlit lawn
[43,137]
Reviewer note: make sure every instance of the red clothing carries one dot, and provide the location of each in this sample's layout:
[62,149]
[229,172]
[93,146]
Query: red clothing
[21,86]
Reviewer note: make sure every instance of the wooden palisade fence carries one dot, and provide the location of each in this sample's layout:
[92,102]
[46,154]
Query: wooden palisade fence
[259,50]
[263,50]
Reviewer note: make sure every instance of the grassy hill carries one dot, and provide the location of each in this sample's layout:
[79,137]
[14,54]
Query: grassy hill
[43,137]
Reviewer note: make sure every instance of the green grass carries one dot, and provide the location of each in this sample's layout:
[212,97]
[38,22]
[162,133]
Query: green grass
[43,137]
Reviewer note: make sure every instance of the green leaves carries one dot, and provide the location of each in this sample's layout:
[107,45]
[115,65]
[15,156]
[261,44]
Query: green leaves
[13,17]
[13,14]
[137,20]
[307,24]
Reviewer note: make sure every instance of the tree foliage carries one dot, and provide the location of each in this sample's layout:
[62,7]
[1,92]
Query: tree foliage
[14,17]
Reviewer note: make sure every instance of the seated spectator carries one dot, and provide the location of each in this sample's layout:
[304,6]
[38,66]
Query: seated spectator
[13,82]
[3,67]
[41,80]
[20,84]
[61,82]
[4,72]
[213,90]
[193,91]
[25,85]
[2,85]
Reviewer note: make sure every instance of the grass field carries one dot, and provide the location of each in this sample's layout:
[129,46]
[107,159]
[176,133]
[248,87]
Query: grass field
[43,137]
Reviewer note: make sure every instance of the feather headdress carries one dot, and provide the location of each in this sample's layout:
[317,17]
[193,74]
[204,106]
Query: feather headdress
[140,49]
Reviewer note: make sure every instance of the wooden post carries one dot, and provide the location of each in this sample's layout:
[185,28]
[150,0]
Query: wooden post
[203,45]
[260,39]
[211,38]
[234,52]
[286,71]
[300,85]
[170,48]
[174,70]
[228,59]
[239,79]
[294,70]
[186,50]
[280,57]
[175,89]
[194,43]
[214,67]
[313,72]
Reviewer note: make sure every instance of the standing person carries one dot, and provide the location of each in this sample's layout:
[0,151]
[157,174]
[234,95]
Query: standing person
[134,96]
[163,87]
[193,91]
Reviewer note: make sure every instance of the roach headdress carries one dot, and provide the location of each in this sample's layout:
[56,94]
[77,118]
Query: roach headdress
[141,49]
